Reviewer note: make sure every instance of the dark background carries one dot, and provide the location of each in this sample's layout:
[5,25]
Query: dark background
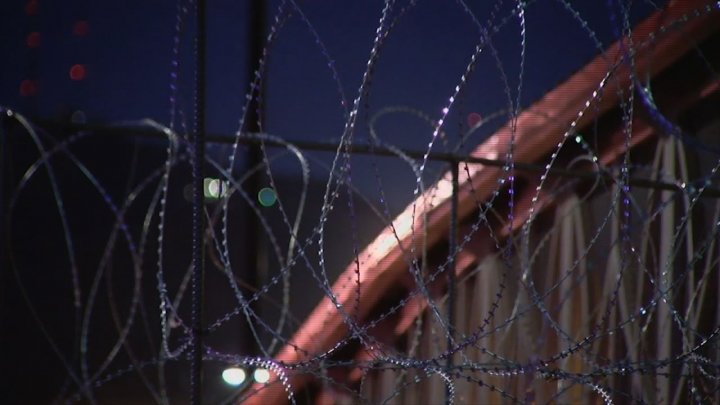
[126,49]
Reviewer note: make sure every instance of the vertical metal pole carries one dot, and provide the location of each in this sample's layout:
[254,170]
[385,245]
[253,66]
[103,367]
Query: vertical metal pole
[452,246]
[257,257]
[3,184]
[198,225]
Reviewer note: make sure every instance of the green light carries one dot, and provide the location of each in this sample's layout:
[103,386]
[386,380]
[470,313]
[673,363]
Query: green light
[267,197]
[578,138]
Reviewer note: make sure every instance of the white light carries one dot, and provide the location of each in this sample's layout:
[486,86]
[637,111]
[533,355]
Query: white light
[261,375]
[444,189]
[214,188]
[233,376]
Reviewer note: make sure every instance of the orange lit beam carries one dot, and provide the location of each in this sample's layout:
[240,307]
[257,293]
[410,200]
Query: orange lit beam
[537,133]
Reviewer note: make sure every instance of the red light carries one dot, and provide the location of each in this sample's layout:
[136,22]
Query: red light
[32,6]
[81,28]
[77,72]
[474,119]
[33,39]
[28,88]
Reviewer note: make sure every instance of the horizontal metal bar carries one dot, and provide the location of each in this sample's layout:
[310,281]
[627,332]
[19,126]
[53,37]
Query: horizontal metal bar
[365,149]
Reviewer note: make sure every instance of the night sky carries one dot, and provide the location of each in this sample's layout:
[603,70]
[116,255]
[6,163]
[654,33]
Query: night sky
[127,51]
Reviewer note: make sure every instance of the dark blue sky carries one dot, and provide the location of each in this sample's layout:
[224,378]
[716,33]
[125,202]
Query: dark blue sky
[128,55]
[128,52]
